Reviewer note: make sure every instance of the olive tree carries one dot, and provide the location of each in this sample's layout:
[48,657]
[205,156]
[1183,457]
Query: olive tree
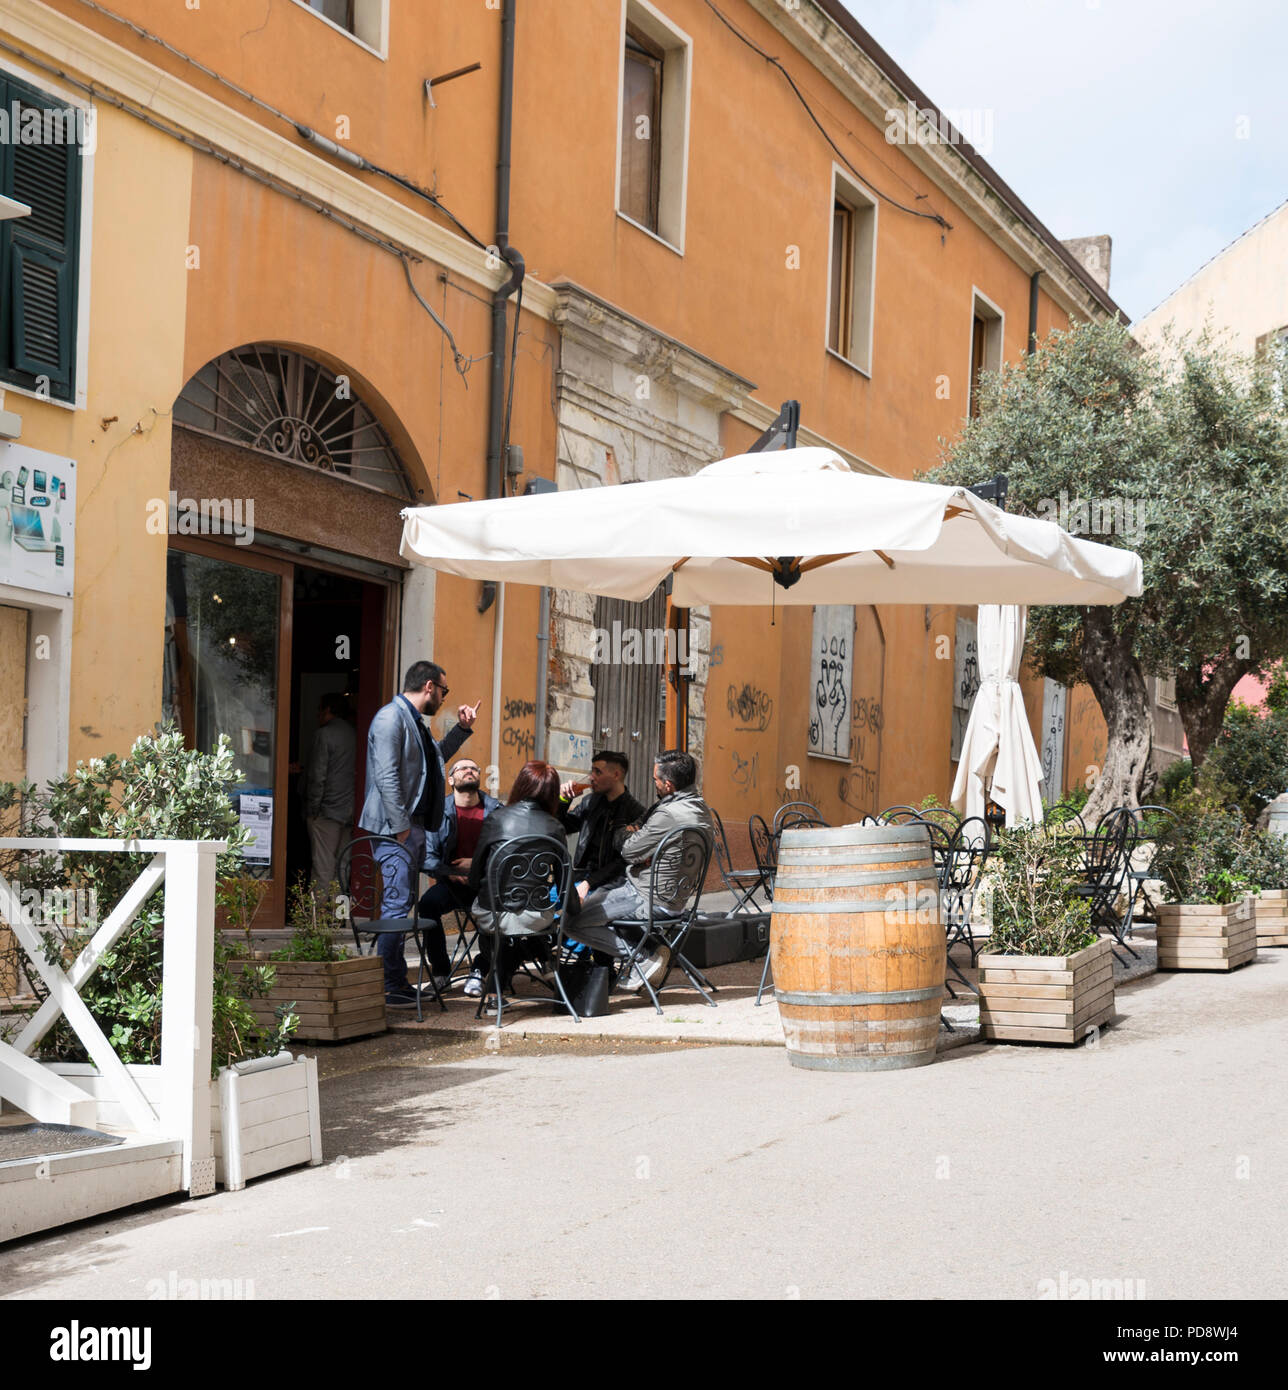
[1180,454]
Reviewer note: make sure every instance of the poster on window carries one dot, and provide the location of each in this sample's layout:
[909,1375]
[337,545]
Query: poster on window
[256,815]
[831,677]
[965,681]
[1054,702]
[37,519]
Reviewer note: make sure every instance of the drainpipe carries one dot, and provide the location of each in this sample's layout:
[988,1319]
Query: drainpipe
[543,672]
[1033,310]
[512,258]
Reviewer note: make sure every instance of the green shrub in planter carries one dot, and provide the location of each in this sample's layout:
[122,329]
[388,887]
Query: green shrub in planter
[159,791]
[1036,912]
[1203,857]
[1265,866]
[1044,975]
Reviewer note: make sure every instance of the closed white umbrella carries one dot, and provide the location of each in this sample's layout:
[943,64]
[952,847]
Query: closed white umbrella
[799,526]
[998,745]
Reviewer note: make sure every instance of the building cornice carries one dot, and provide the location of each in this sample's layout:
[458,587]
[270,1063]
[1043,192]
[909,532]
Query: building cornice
[622,338]
[825,41]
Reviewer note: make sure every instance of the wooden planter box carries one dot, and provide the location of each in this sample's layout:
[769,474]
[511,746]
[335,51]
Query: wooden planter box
[264,1115]
[335,999]
[1051,999]
[1206,936]
[1271,908]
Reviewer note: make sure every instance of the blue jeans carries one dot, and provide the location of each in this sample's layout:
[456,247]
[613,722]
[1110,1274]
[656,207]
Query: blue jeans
[400,875]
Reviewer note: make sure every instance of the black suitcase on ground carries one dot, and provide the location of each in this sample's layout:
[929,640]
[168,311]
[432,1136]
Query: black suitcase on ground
[717,939]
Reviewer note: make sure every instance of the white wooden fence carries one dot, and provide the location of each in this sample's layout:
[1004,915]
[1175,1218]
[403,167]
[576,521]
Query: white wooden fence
[182,1111]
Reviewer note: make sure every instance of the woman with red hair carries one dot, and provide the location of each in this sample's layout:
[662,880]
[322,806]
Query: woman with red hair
[529,810]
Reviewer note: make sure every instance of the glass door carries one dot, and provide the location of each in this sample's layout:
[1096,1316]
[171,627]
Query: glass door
[227,649]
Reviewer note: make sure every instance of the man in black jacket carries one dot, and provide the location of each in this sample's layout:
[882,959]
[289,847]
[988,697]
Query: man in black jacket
[600,822]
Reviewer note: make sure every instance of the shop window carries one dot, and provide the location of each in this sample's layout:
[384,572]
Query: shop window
[41,168]
[220,676]
[851,273]
[654,136]
[280,403]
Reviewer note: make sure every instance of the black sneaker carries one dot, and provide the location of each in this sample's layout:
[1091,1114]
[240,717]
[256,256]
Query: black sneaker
[403,998]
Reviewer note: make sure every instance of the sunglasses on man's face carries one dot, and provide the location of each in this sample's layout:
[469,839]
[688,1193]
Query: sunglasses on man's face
[441,687]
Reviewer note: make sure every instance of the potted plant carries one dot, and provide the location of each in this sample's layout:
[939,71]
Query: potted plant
[1265,866]
[1044,976]
[264,1102]
[1207,922]
[332,995]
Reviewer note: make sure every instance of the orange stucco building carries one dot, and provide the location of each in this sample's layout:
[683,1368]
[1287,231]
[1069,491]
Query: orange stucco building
[288,250]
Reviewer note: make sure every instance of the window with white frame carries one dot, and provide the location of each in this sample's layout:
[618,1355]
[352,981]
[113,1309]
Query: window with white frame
[653,145]
[851,272]
[986,326]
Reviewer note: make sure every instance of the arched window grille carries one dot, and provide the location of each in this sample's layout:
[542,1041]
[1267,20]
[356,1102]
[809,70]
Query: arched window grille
[282,404]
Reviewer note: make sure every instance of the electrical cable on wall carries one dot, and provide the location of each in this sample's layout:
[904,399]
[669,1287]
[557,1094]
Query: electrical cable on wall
[303,130]
[791,81]
[463,362]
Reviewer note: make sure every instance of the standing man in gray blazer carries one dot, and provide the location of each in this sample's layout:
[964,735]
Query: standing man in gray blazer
[405,799]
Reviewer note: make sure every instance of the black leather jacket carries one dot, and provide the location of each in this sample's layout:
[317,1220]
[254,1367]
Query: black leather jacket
[509,823]
[598,822]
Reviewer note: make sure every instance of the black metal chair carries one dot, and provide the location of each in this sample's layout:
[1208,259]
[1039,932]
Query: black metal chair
[1148,837]
[1068,817]
[677,874]
[744,884]
[1106,858]
[532,873]
[959,866]
[796,813]
[361,881]
[898,815]
[764,846]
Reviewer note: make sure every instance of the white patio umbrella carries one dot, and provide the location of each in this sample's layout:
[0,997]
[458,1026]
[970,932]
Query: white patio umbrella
[998,744]
[799,526]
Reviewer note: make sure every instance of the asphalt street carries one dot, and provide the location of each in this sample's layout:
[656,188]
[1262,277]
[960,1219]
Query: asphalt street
[1156,1157]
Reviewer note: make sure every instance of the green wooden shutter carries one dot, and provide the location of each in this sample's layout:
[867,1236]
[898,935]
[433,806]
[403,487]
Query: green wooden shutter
[42,249]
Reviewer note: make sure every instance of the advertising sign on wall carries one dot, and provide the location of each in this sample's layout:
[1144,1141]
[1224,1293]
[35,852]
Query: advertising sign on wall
[37,520]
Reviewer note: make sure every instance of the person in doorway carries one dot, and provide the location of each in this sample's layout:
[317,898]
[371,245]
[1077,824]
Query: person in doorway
[599,822]
[449,851]
[328,794]
[405,800]
[600,922]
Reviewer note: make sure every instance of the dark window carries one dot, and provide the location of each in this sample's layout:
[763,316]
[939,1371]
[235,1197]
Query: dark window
[641,130]
[840,321]
[39,166]
[978,343]
[337,11]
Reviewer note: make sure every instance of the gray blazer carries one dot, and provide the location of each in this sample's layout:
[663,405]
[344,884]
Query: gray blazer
[397,772]
[330,781]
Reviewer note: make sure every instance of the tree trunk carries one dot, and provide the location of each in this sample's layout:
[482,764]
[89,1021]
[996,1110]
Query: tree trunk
[1118,684]
[1202,700]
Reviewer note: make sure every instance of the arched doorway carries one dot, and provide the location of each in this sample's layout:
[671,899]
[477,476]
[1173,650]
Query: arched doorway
[283,582]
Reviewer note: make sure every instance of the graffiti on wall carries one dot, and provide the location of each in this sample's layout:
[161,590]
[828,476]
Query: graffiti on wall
[751,708]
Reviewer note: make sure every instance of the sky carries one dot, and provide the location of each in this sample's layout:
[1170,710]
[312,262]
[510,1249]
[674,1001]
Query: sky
[1163,124]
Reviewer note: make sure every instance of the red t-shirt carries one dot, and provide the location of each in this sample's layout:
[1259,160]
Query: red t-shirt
[469,825]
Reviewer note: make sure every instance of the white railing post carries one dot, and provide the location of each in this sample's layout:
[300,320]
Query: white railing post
[187,1000]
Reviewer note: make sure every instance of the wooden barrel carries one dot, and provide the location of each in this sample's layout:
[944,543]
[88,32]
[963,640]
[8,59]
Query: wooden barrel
[858,947]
